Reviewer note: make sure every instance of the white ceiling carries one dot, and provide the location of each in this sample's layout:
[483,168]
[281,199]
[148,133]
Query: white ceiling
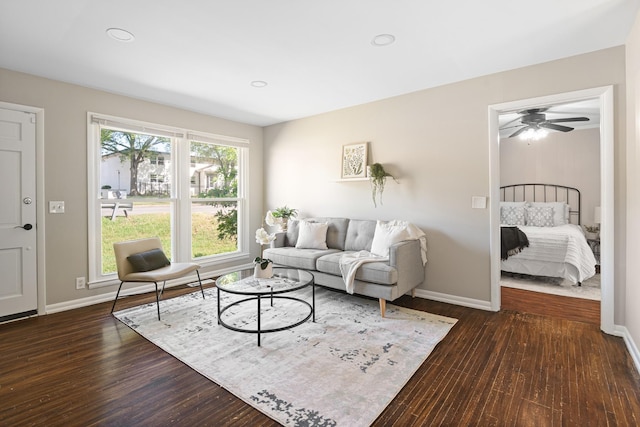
[316,56]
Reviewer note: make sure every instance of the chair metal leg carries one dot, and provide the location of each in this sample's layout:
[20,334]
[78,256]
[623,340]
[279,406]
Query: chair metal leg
[117,295]
[162,291]
[158,299]
[200,281]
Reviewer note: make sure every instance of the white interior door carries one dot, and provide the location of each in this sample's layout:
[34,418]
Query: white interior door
[18,251]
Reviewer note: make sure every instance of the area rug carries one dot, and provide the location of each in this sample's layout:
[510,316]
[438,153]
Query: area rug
[342,370]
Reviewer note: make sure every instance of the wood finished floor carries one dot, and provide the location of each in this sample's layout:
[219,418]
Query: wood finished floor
[524,301]
[84,368]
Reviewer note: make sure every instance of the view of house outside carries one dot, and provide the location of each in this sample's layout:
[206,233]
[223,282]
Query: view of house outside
[138,194]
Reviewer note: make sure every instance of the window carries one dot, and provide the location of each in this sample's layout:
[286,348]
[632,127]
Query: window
[186,187]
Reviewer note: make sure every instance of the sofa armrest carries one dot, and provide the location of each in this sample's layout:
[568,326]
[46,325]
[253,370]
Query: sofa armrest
[279,240]
[407,259]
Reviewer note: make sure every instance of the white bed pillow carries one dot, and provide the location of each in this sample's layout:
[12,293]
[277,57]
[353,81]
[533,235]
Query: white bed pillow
[388,234]
[312,235]
[560,211]
[512,215]
[540,216]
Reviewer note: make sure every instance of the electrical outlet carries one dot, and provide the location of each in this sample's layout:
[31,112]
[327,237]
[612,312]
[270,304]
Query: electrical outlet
[80,283]
[56,207]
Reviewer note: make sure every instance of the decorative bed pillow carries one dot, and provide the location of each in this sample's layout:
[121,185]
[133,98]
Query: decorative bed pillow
[512,215]
[560,211]
[387,234]
[149,260]
[540,216]
[312,235]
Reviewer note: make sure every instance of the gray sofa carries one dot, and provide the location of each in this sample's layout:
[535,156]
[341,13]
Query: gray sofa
[383,280]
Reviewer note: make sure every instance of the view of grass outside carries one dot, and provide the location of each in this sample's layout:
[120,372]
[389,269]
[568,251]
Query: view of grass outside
[204,242]
[137,173]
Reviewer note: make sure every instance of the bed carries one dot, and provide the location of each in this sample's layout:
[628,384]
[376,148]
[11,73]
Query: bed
[549,216]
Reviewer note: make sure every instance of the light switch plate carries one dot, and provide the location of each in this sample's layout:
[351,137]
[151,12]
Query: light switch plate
[56,207]
[478,202]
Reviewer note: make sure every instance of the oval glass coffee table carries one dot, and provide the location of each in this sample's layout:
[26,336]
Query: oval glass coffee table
[284,280]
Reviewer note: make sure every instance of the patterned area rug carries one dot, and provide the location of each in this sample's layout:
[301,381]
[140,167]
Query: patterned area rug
[342,370]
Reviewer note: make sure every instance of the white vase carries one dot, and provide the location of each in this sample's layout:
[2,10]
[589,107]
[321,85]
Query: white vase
[259,273]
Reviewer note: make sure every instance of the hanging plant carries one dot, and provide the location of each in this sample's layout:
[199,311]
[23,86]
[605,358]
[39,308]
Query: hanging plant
[378,177]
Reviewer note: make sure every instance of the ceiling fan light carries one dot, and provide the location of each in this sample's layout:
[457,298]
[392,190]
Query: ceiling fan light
[532,134]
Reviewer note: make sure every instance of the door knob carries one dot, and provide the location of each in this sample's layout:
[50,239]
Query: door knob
[26,226]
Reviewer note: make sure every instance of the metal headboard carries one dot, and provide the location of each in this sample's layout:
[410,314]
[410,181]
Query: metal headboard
[544,193]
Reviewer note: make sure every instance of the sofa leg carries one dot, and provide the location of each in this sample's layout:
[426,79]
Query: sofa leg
[413,293]
[383,306]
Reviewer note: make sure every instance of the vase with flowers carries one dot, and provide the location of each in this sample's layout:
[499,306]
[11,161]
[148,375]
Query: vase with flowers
[280,217]
[263,267]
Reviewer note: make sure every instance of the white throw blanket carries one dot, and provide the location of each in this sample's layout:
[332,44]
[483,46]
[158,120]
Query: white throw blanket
[350,262]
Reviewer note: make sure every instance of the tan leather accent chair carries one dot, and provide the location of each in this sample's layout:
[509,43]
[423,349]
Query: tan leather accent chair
[127,272]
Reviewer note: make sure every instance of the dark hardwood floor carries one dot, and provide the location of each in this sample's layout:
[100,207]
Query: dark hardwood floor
[84,368]
[570,308]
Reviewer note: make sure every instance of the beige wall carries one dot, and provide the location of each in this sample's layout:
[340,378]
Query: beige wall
[436,142]
[65,165]
[632,296]
[571,159]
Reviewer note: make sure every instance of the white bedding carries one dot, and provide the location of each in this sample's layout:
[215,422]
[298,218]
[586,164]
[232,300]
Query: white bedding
[560,251]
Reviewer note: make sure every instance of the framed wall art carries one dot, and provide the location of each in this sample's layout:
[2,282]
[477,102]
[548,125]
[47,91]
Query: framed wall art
[354,161]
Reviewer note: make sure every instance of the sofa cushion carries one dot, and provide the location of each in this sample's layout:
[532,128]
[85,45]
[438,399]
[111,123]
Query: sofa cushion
[374,272]
[296,258]
[312,235]
[291,237]
[359,235]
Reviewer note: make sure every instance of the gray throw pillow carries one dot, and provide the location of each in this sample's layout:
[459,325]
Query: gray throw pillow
[148,260]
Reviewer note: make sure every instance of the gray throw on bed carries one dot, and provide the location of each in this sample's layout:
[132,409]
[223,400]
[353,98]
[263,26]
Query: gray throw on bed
[513,241]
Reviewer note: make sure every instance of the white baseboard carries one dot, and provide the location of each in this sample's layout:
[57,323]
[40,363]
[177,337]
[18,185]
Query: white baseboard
[128,290]
[453,299]
[632,348]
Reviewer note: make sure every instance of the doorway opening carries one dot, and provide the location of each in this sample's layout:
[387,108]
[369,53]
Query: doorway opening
[602,98]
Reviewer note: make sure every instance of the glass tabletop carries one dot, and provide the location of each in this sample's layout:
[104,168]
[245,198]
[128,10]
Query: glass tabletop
[284,280]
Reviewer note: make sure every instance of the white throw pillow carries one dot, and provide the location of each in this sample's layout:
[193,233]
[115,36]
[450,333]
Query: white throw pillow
[387,234]
[312,235]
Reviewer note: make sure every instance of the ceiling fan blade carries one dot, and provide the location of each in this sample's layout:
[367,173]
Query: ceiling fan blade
[556,127]
[569,119]
[518,132]
[511,127]
[504,126]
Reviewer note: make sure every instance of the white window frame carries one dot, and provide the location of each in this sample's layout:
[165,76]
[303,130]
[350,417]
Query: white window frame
[180,199]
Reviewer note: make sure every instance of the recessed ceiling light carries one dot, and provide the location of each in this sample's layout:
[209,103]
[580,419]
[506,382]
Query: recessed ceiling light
[120,35]
[259,83]
[383,40]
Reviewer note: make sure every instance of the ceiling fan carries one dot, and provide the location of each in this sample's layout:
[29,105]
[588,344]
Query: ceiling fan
[535,119]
